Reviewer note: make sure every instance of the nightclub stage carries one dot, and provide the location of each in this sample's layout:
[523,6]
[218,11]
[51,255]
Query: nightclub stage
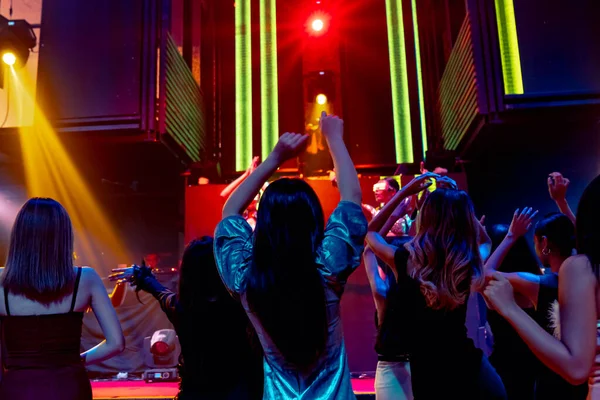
[139,390]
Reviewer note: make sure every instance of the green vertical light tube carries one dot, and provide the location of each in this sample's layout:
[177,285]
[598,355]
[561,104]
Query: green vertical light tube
[399,82]
[419,78]
[509,47]
[268,76]
[243,85]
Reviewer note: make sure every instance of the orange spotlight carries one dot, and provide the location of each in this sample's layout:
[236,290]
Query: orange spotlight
[321,99]
[9,58]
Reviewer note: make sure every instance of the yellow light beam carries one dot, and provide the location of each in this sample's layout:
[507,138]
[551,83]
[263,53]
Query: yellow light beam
[50,172]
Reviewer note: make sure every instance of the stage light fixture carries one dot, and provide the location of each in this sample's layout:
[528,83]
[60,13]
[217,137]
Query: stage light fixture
[17,38]
[321,99]
[9,58]
[162,351]
[317,25]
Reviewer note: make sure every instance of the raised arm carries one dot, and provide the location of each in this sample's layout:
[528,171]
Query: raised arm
[415,186]
[573,355]
[234,185]
[107,318]
[398,213]
[383,250]
[379,285]
[143,279]
[288,146]
[557,187]
[521,223]
[346,176]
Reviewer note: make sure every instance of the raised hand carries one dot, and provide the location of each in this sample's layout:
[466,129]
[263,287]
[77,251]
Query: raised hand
[290,145]
[444,182]
[420,183]
[522,222]
[121,275]
[499,294]
[557,186]
[332,127]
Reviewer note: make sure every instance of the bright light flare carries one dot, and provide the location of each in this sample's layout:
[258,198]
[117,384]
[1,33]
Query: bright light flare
[317,25]
[50,172]
[9,58]
[321,99]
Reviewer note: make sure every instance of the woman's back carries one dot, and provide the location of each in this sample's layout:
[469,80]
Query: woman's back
[438,337]
[40,346]
[338,255]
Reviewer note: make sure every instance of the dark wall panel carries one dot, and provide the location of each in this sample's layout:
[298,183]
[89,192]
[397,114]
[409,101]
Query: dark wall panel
[558,43]
[90,58]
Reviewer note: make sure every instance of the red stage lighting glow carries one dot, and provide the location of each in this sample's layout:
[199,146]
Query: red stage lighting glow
[317,23]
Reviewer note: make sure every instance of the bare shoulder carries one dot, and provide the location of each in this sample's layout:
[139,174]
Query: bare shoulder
[577,264]
[90,276]
[576,275]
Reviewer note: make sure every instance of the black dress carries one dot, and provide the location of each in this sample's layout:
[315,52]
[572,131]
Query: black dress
[445,364]
[549,385]
[41,356]
[515,363]
[217,359]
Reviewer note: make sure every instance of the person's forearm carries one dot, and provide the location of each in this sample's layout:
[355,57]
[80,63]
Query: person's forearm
[379,220]
[551,351]
[241,198]
[378,285]
[388,225]
[101,352]
[525,284]
[564,208]
[347,178]
[380,247]
[495,260]
[234,185]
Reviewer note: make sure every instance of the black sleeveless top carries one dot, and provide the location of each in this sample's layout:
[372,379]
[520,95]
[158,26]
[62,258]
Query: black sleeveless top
[392,340]
[444,361]
[42,341]
[41,355]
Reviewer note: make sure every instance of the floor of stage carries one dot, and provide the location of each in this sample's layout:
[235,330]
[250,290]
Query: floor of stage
[139,390]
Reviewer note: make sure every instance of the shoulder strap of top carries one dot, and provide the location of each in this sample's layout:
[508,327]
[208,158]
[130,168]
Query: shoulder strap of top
[6,301]
[75,289]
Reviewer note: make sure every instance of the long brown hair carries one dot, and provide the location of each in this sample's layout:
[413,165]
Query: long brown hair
[444,252]
[39,265]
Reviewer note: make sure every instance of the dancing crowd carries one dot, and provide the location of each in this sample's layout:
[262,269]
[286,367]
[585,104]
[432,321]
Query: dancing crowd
[257,311]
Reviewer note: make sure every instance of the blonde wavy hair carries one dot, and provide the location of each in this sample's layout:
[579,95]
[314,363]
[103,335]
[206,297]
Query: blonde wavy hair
[445,252]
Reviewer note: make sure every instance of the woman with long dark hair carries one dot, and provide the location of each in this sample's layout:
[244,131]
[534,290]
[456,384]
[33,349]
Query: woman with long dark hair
[290,272]
[436,271]
[45,298]
[571,351]
[217,360]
